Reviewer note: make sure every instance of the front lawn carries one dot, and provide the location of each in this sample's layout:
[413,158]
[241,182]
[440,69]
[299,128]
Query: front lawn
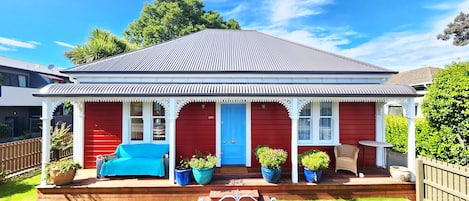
[24,189]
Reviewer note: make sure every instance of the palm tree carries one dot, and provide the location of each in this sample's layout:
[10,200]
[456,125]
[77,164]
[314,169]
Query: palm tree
[101,44]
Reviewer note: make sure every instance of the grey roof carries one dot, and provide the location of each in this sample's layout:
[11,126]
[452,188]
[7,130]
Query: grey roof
[228,51]
[28,66]
[418,76]
[307,90]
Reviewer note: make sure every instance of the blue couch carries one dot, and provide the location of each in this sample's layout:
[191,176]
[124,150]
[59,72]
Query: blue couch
[136,159]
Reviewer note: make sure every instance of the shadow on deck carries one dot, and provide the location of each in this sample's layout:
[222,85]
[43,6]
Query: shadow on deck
[342,184]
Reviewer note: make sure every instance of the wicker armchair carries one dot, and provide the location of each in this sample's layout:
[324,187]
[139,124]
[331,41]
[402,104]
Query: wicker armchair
[346,158]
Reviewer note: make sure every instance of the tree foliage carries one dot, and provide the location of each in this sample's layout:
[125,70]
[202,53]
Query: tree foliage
[458,30]
[161,21]
[168,19]
[100,44]
[446,107]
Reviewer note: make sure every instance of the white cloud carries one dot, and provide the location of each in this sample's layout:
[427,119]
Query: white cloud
[238,9]
[284,10]
[12,43]
[64,44]
[402,51]
[408,50]
[4,49]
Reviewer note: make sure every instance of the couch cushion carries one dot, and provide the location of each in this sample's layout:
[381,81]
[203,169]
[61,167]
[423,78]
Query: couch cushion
[133,166]
[142,150]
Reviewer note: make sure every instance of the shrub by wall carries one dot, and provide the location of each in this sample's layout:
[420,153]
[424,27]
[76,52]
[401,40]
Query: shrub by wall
[396,132]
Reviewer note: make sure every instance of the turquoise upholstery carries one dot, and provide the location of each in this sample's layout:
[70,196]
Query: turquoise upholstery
[137,159]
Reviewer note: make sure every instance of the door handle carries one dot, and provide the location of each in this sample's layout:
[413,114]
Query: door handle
[233,140]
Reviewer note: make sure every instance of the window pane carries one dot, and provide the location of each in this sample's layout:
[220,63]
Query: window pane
[22,81]
[136,129]
[325,129]
[306,111]
[136,109]
[159,129]
[3,79]
[158,110]
[304,129]
[326,109]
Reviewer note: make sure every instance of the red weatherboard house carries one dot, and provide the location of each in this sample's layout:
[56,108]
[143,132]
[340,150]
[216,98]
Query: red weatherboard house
[225,92]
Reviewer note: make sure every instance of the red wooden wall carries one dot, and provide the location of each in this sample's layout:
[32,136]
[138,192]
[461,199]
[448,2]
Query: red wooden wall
[270,126]
[357,122]
[103,130]
[195,129]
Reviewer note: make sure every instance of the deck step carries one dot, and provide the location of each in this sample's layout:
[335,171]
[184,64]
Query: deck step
[234,195]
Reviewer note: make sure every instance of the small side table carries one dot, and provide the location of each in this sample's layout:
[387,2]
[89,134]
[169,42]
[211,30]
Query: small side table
[370,143]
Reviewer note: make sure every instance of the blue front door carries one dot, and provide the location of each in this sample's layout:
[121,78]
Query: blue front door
[233,134]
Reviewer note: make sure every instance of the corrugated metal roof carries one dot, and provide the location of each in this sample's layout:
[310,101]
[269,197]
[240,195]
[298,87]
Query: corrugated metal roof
[307,90]
[225,51]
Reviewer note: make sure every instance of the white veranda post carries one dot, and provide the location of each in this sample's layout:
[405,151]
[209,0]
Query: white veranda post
[411,155]
[294,115]
[46,118]
[172,138]
[78,131]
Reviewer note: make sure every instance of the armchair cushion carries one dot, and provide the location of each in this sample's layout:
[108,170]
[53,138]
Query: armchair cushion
[346,157]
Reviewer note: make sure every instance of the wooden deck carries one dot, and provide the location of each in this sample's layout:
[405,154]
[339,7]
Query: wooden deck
[376,183]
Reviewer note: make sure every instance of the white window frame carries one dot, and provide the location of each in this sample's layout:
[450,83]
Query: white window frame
[147,115]
[314,135]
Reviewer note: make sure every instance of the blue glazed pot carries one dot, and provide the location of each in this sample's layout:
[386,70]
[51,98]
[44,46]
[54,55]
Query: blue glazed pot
[202,176]
[312,176]
[271,175]
[183,177]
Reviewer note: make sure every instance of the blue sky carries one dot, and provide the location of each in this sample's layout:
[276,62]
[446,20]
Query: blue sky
[398,34]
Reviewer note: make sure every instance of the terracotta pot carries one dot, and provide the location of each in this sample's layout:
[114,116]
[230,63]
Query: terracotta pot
[58,178]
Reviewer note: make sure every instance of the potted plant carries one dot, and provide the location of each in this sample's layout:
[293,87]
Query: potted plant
[271,161]
[313,162]
[61,172]
[202,167]
[183,172]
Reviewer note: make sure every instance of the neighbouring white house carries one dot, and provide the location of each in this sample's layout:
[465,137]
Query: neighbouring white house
[20,112]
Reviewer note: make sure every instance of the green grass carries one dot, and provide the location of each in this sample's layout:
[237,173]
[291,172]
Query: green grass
[24,189]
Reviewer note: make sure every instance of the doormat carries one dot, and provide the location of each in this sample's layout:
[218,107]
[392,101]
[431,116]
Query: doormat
[233,170]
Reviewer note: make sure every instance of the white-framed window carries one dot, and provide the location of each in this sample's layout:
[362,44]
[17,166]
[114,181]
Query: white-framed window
[146,122]
[318,124]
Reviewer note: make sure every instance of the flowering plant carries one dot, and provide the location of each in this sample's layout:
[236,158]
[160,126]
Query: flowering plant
[270,158]
[183,164]
[202,161]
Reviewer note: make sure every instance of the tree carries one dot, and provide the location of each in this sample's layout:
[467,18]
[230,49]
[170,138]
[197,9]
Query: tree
[100,44]
[458,30]
[446,107]
[168,19]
